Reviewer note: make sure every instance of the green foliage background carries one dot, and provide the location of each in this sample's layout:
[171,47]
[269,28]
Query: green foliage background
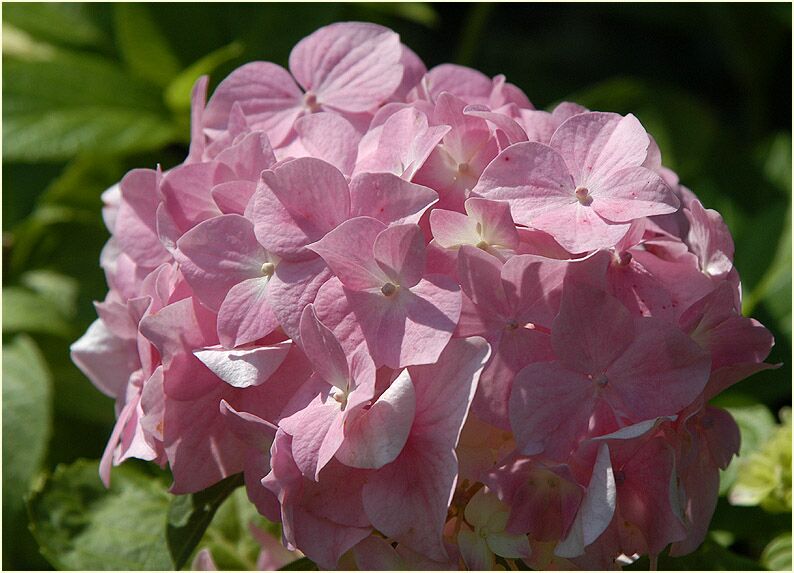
[92,90]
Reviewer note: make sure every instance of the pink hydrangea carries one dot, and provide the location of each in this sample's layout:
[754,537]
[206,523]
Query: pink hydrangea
[434,326]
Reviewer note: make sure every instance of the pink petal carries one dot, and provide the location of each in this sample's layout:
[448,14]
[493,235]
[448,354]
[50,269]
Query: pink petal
[246,315]
[249,157]
[330,137]
[495,220]
[323,350]
[351,66]
[400,252]
[533,286]
[347,250]
[186,192]
[265,93]
[198,101]
[633,193]
[595,145]
[578,228]
[710,240]
[295,285]
[388,198]
[531,177]
[460,81]
[452,229]
[515,133]
[481,279]
[377,435]
[550,408]
[659,373]
[135,227]
[596,510]
[233,196]
[217,254]
[408,499]
[592,329]
[309,429]
[244,367]
[298,203]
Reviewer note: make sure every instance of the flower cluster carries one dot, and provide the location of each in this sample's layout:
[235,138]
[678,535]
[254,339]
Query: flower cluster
[434,326]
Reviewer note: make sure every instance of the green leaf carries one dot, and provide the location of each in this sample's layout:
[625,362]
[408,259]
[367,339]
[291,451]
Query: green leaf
[25,311]
[708,557]
[81,525]
[61,291]
[143,45]
[756,423]
[190,515]
[55,109]
[27,413]
[229,538]
[177,94]
[777,555]
[774,289]
[61,23]
[764,478]
[418,12]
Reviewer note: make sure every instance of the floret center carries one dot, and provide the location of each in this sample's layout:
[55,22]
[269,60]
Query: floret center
[389,289]
[268,269]
[310,101]
[583,195]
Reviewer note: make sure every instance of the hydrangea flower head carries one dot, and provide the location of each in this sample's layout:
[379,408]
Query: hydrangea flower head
[433,326]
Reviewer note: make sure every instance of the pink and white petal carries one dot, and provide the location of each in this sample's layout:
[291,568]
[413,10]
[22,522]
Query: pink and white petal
[591,330]
[550,409]
[106,359]
[531,177]
[596,510]
[399,251]
[662,371]
[348,251]
[265,93]
[330,137]
[633,193]
[452,229]
[597,144]
[323,350]
[244,367]
[252,429]
[376,436]
[351,66]
[496,223]
[217,254]
[710,240]
[389,198]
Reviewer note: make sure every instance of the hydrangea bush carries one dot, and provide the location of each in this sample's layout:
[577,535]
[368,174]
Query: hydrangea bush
[435,327]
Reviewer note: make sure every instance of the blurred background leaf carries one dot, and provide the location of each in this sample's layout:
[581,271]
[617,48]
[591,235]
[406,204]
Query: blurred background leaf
[92,90]
[81,525]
